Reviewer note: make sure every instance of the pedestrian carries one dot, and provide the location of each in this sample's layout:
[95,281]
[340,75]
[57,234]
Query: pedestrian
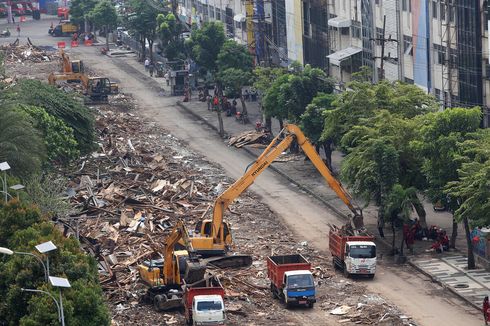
[381,225]
[18,30]
[209,99]
[486,310]
[216,103]
[147,64]
[151,68]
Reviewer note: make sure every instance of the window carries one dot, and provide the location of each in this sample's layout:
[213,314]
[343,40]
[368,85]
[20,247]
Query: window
[404,5]
[356,29]
[306,19]
[434,9]
[379,36]
[443,11]
[209,306]
[362,251]
[438,93]
[218,14]
[300,281]
[211,12]
[409,5]
[408,80]
[440,54]
[407,45]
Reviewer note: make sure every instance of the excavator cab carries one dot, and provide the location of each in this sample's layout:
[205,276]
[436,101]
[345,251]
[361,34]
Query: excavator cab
[77,66]
[203,228]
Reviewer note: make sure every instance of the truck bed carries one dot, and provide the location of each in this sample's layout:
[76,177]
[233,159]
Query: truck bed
[337,242]
[278,265]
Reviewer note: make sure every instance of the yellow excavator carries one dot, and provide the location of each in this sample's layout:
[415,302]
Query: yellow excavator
[215,234]
[166,276]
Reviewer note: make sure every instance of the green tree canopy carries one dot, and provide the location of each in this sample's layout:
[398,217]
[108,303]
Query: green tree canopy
[472,187]
[21,144]
[206,43]
[234,55]
[169,30]
[142,22]
[103,14]
[58,104]
[80,10]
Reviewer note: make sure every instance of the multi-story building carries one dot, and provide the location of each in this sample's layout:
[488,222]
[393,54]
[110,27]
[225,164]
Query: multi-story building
[436,45]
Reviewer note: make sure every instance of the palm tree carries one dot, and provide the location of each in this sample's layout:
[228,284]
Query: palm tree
[20,143]
[401,203]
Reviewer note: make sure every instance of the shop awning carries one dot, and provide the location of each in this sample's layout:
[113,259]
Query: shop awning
[240,18]
[339,22]
[337,57]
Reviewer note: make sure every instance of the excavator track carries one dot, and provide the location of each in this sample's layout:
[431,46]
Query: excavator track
[234,261]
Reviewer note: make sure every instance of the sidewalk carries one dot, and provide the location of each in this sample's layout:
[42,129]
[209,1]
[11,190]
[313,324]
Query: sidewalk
[447,269]
[450,271]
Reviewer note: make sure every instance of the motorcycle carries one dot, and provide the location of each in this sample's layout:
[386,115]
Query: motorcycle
[5,33]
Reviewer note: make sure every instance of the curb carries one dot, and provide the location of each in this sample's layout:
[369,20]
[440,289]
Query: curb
[250,152]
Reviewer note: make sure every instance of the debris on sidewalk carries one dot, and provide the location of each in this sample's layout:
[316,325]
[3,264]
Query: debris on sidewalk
[248,138]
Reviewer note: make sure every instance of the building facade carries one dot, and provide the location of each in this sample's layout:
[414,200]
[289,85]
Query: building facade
[439,45]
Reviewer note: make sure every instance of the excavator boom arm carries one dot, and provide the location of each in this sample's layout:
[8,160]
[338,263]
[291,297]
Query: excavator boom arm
[230,194]
[179,232]
[273,150]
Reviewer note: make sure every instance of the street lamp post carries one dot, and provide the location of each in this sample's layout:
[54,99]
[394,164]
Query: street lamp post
[58,309]
[9,252]
[45,248]
[4,166]
[60,282]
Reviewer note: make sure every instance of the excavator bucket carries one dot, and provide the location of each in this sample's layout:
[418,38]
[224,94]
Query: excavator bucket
[235,261]
[194,271]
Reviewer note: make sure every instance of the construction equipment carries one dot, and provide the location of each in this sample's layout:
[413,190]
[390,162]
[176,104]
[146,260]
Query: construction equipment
[166,277]
[215,234]
[70,66]
[64,28]
[96,89]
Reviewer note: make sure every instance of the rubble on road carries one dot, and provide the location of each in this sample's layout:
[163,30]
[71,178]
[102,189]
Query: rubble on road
[14,52]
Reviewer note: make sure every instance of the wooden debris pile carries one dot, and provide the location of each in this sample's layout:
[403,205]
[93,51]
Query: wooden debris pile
[26,53]
[249,137]
[131,192]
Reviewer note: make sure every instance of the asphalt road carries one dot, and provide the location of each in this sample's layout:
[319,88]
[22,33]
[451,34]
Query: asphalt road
[413,293]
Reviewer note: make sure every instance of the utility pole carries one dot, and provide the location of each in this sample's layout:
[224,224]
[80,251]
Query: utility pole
[383,41]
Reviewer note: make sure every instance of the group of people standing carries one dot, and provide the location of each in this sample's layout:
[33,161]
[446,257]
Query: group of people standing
[215,102]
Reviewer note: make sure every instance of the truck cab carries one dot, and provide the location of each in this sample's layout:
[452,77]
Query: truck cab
[208,310]
[299,288]
[360,257]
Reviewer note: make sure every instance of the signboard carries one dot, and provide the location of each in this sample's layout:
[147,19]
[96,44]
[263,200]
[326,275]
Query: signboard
[74,44]
[61,45]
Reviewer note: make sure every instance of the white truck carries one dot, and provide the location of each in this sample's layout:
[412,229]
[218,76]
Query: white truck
[204,306]
[356,255]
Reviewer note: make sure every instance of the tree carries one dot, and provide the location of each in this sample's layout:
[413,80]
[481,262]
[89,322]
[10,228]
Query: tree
[471,189]
[363,99]
[142,21]
[104,14]
[58,138]
[22,227]
[205,44]
[371,171]
[169,30]
[289,95]
[439,135]
[312,122]
[80,10]
[233,80]
[263,79]
[399,207]
[58,104]
[234,55]
[21,144]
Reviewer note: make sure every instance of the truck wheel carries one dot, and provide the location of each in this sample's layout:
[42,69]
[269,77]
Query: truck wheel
[287,305]
[311,305]
[346,273]
[334,264]
[371,276]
